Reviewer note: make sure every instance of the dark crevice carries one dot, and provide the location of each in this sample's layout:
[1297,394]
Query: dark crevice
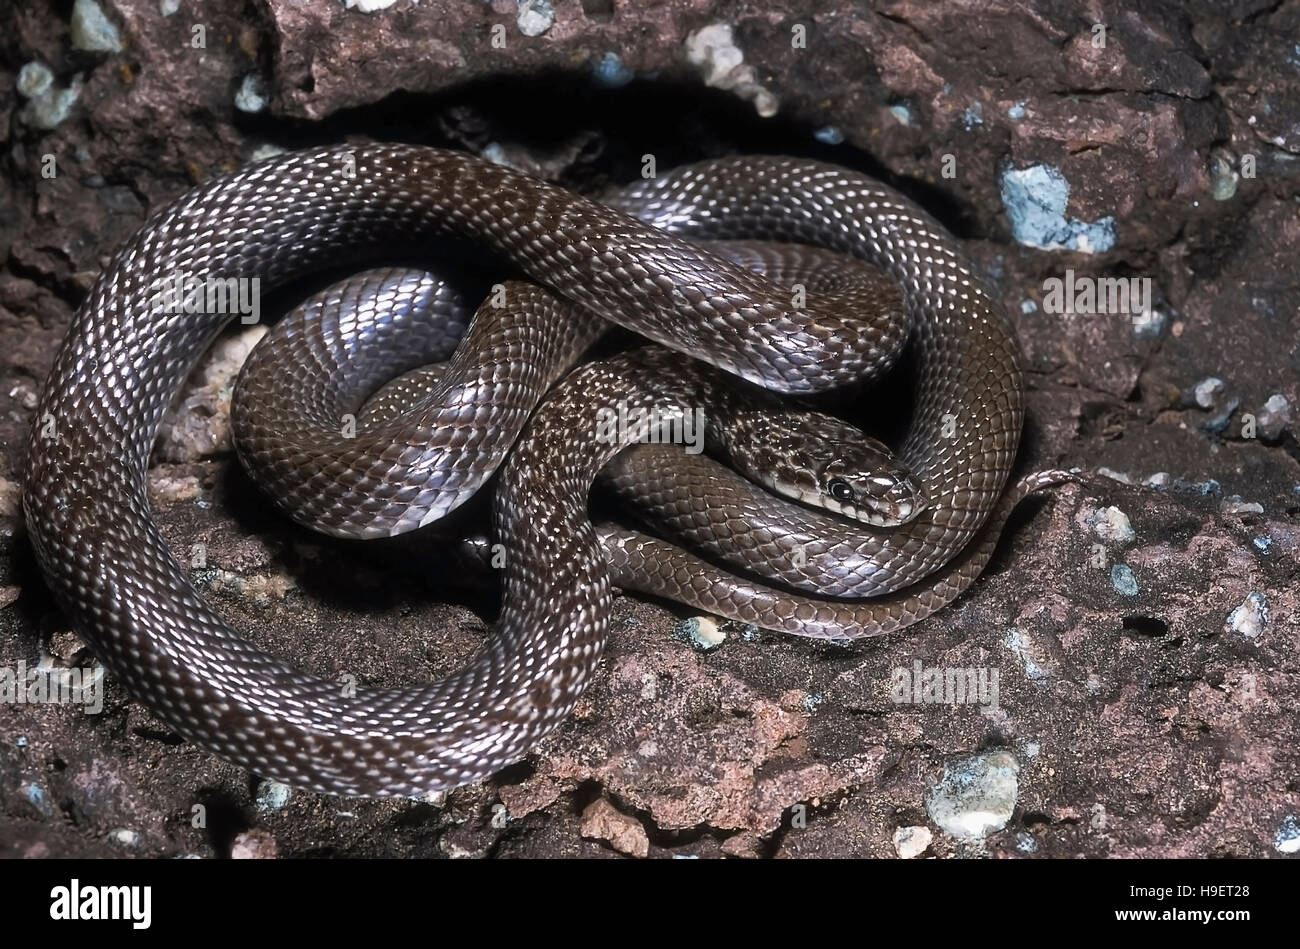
[1146,625]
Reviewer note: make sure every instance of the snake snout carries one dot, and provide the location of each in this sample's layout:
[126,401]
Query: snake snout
[895,497]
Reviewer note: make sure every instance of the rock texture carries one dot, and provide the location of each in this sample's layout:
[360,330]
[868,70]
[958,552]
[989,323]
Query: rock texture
[1142,629]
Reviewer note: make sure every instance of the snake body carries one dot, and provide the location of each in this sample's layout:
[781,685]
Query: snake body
[126,356]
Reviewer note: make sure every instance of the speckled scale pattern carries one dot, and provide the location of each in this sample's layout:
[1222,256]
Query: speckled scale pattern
[126,356]
[383,476]
[432,450]
[969,361]
[646,564]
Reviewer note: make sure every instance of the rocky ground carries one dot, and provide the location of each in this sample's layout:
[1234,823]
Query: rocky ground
[1143,631]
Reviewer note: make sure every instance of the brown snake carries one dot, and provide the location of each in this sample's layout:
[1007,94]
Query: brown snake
[126,356]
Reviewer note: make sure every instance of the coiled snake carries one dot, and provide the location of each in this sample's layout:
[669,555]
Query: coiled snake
[127,354]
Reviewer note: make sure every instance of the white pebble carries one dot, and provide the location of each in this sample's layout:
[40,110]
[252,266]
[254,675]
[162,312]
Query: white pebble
[976,796]
[1274,417]
[1112,525]
[1114,475]
[34,79]
[92,31]
[251,95]
[1287,838]
[911,842]
[1206,390]
[1249,618]
[1233,504]
[701,632]
[535,17]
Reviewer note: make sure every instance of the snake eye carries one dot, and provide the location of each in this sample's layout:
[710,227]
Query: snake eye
[839,489]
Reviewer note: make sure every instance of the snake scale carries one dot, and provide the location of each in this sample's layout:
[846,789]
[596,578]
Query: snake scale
[631,261]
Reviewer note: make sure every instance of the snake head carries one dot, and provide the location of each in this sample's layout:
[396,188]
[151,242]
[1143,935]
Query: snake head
[826,463]
[879,492]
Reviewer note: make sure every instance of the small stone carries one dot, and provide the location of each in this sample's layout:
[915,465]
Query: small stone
[1036,201]
[48,107]
[713,50]
[1250,618]
[1233,504]
[127,838]
[1205,394]
[1149,323]
[1205,488]
[92,31]
[1161,479]
[1223,178]
[1287,838]
[168,488]
[251,95]
[610,71]
[535,17]
[65,645]
[1037,664]
[1222,418]
[702,632]
[255,844]
[9,595]
[976,796]
[1123,580]
[260,590]
[1274,418]
[1111,525]
[272,795]
[495,152]
[902,113]
[34,79]
[38,798]
[910,842]
[1114,475]
[432,798]
[266,151]
[602,821]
